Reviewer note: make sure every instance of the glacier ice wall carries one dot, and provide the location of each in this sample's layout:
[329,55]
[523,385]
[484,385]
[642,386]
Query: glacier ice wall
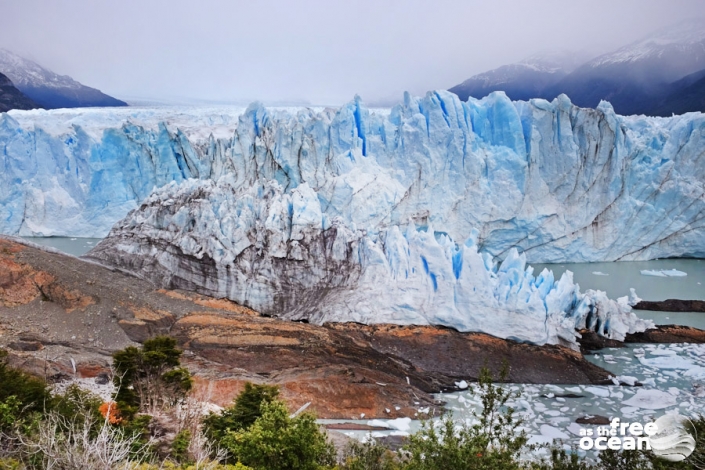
[277,251]
[558,182]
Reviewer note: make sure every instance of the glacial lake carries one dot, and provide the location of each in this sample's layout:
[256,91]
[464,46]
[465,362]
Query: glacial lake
[71,246]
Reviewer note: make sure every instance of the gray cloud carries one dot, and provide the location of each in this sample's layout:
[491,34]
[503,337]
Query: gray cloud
[320,51]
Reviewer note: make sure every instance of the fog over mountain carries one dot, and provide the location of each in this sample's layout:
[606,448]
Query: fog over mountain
[48,89]
[311,51]
[658,75]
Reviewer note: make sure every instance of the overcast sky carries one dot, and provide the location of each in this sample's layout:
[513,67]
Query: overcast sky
[322,52]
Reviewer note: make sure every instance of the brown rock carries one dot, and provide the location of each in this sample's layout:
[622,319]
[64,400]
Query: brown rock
[25,345]
[668,334]
[597,420]
[591,341]
[672,305]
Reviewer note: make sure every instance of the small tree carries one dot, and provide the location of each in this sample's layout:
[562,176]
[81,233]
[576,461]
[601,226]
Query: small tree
[244,412]
[494,442]
[276,441]
[150,377]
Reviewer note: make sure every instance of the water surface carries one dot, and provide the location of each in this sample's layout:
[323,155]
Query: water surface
[71,246]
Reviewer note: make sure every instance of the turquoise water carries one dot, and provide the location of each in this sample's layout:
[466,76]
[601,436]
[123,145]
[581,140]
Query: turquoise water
[626,274]
[72,246]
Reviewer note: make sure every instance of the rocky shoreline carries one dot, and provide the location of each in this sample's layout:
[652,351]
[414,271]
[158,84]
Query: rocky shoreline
[672,305]
[62,316]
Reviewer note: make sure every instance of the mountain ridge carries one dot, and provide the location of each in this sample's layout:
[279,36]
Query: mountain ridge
[49,89]
[642,77]
[11,97]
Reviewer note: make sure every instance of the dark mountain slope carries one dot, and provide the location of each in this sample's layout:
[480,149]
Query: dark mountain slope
[49,89]
[11,97]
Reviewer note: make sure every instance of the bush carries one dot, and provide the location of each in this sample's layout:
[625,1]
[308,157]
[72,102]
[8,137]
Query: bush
[9,413]
[78,405]
[150,377]
[276,441]
[244,412]
[368,455]
[494,442]
[562,460]
[31,392]
[10,464]
[179,448]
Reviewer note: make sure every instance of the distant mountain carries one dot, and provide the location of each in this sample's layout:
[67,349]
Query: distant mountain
[685,95]
[646,77]
[12,98]
[48,89]
[633,77]
[524,80]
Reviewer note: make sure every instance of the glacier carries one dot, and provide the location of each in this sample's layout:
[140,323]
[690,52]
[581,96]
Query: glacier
[277,252]
[423,214]
[558,182]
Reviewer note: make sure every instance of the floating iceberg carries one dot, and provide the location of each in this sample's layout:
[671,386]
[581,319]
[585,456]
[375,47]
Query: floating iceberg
[558,182]
[663,273]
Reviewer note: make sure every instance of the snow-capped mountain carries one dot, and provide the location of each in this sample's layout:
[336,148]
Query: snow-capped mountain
[640,78]
[48,89]
[524,80]
[11,97]
[636,77]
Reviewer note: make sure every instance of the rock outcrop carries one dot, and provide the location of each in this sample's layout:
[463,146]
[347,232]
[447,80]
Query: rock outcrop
[344,370]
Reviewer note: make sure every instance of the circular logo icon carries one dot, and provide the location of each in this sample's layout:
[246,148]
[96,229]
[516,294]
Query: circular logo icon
[675,440]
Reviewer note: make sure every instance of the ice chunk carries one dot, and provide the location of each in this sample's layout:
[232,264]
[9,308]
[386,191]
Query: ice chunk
[653,272]
[599,273]
[627,379]
[598,391]
[663,273]
[462,385]
[552,432]
[651,399]
[400,424]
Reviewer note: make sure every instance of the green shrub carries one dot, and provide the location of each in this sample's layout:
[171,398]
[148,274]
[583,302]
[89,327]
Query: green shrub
[9,413]
[275,441]
[30,391]
[76,405]
[138,428]
[10,464]
[368,455]
[562,460]
[494,442]
[244,412]
[179,448]
[623,460]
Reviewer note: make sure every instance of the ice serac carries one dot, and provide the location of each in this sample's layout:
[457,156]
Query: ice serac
[276,251]
[558,182]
